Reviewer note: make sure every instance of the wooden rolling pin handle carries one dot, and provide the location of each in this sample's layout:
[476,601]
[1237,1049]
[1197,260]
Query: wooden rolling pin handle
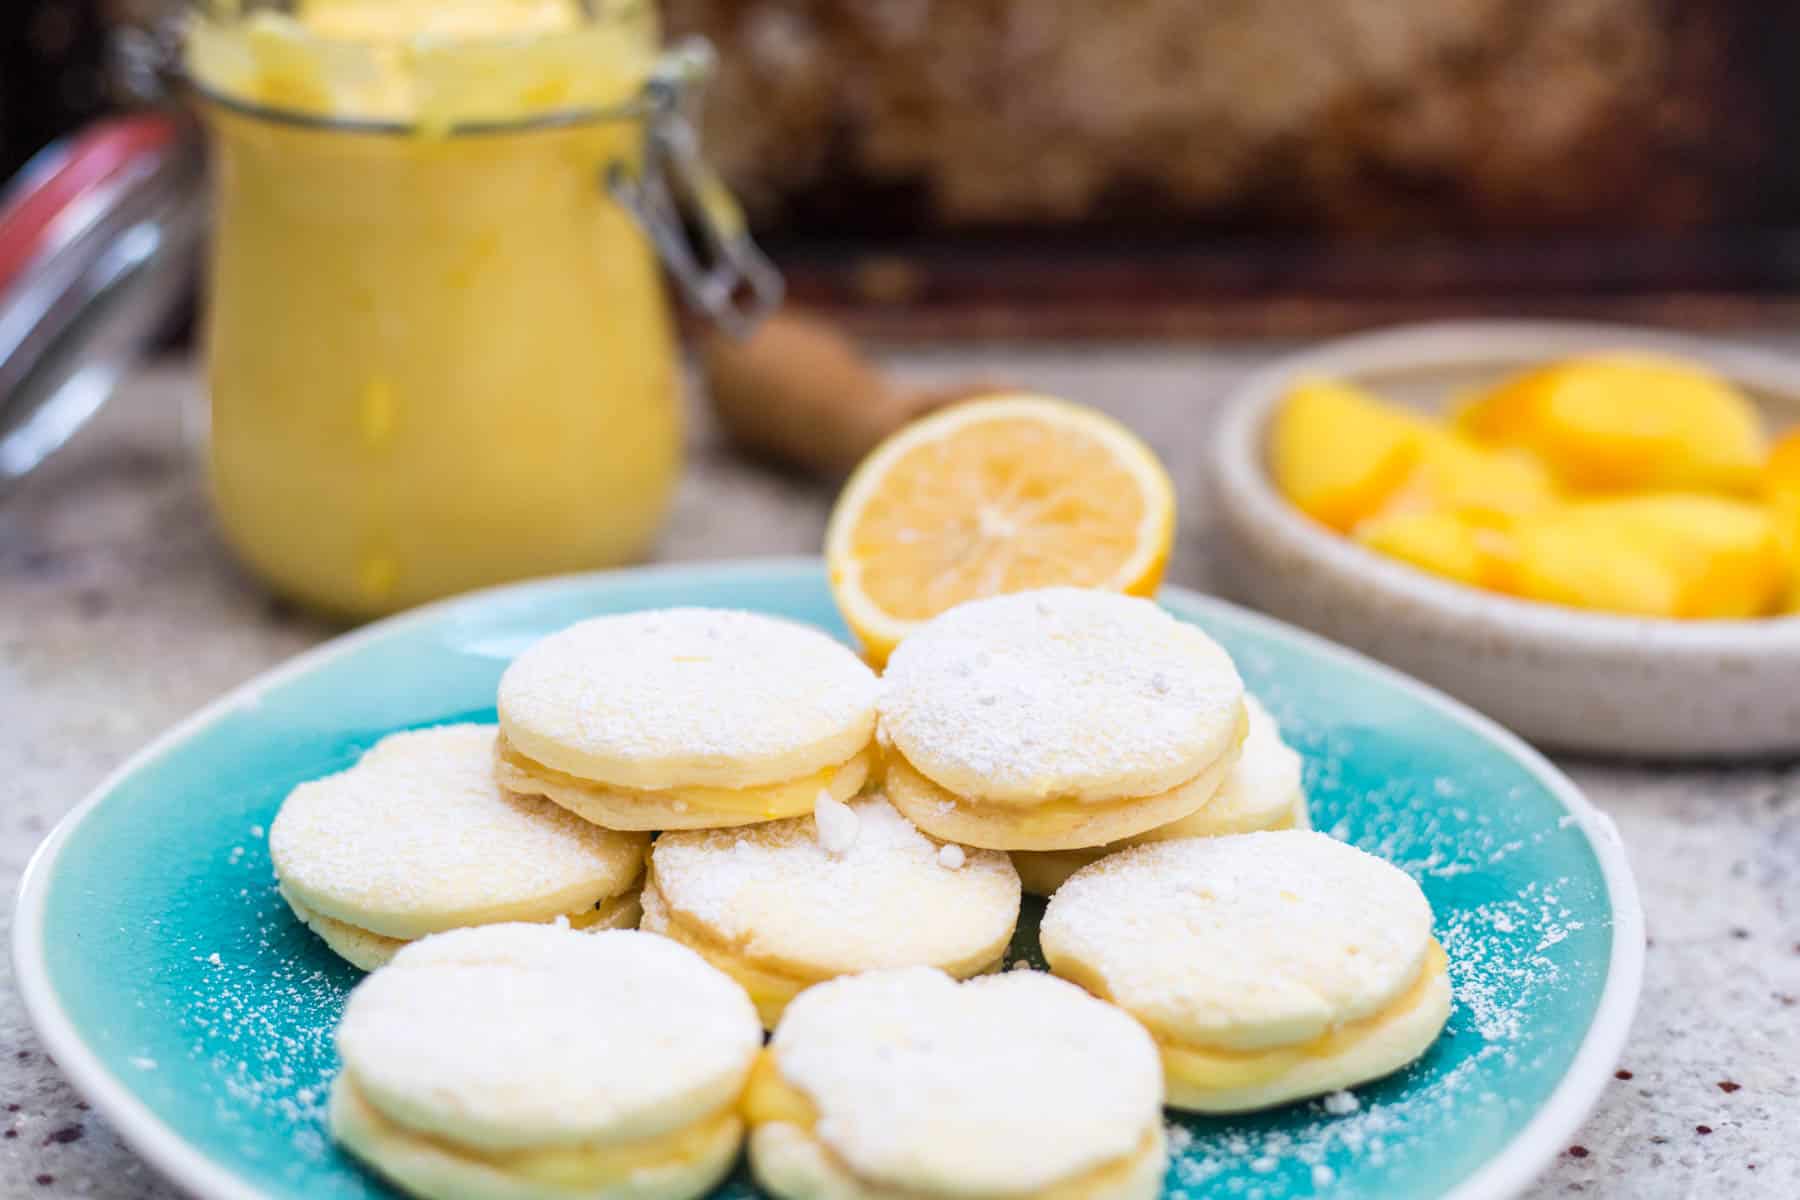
[798,392]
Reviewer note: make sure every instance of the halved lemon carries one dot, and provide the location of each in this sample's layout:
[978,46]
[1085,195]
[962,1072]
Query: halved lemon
[1000,494]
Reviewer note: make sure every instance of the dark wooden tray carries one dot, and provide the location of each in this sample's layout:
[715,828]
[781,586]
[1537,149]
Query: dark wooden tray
[1052,287]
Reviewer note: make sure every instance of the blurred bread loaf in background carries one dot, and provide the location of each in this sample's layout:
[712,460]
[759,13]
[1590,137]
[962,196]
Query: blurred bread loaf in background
[860,116]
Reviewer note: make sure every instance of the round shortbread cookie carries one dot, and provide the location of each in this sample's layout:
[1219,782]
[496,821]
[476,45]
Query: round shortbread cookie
[688,697]
[417,838]
[1241,943]
[1061,693]
[1302,963]
[1003,1085]
[514,1038]
[875,893]
[1263,790]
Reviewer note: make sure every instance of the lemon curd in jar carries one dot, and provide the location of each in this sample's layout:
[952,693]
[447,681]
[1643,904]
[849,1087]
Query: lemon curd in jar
[439,354]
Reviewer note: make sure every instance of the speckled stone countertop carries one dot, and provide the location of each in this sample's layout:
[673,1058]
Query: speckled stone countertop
[120,613]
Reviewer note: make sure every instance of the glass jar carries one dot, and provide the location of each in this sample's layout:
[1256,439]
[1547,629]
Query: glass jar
[438,351]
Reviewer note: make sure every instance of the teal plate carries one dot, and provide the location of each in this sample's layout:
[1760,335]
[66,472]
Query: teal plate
[174,988]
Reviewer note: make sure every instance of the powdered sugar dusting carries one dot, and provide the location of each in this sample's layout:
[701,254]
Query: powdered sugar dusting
[259,1019]
[1062,691]
[1294,1159]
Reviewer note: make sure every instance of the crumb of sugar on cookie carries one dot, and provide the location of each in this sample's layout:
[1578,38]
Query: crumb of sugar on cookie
[951,857]
[837,822]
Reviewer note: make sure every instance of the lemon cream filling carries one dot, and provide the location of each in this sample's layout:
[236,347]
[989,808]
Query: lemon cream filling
[369,950]
[436,62]
[772,985]
[770,1099]
[678,807]
[1197,1070]
[1054,823]
[589,1167]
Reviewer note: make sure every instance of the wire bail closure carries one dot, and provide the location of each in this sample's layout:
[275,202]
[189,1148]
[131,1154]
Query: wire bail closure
[684,207]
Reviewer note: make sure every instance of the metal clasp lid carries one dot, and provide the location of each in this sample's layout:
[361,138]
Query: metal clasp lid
[685,208]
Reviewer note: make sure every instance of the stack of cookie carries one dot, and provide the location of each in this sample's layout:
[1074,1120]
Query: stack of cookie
[838,858]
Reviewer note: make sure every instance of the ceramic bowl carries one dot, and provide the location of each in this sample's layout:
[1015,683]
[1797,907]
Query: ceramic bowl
[1564,678]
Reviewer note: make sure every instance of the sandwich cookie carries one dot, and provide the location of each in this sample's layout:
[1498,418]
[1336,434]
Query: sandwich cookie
[417,838]
[906,1083]
[529,1062]
[687,718]
[1056,720]
[1268,966]
[782,906]
[1262,791]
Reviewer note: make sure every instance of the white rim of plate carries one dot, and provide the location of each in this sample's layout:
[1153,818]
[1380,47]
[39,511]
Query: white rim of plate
[1238,467]
[1508,1172]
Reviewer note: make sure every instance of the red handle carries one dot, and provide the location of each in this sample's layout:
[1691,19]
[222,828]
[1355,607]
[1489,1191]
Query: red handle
[63,173]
